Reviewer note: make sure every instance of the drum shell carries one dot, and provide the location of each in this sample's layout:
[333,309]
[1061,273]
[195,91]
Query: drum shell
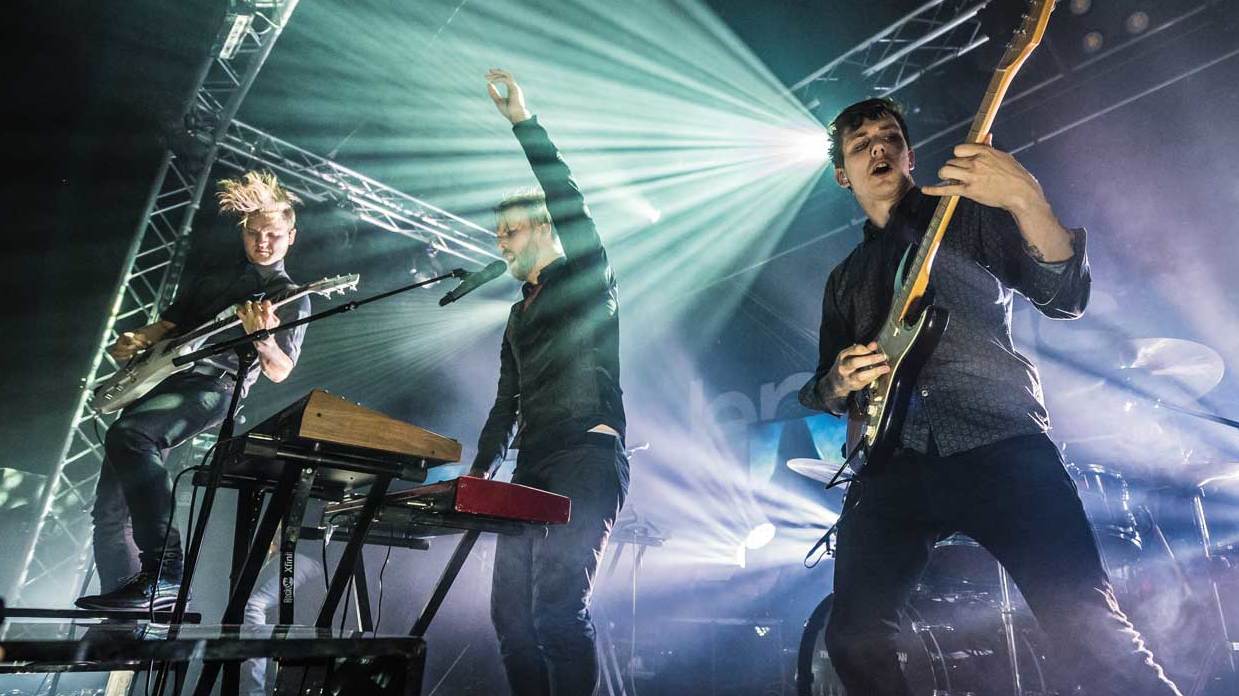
[1107,503]
[948,645]
[959,565]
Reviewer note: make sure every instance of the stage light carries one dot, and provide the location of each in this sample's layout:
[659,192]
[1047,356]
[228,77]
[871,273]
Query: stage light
[1093,41]
[241,22]
[647,211]
[667,105]
[811,147]
[759,536]
[1079,7]
[1137,22]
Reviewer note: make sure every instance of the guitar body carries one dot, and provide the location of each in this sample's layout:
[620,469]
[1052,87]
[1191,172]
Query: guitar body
[877,415]
[139,376]
[155,364]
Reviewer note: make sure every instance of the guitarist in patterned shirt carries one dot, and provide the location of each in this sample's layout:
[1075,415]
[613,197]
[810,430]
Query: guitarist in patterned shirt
[973,455]
[132,501]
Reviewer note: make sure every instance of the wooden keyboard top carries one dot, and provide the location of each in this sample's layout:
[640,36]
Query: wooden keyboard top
[324,417]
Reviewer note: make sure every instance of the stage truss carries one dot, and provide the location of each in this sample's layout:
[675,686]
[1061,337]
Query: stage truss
[56,555]
[923,40]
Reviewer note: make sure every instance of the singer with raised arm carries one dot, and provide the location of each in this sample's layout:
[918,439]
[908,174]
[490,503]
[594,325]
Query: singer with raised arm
[559,385]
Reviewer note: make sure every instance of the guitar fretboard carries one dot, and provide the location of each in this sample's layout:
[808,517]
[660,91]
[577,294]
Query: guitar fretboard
[912,290]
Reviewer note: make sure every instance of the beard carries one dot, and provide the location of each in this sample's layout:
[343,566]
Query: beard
[523,262]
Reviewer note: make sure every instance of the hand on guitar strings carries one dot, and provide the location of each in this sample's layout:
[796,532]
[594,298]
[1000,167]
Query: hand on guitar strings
[988,176]
[257,315]
[855,368]
[129,344]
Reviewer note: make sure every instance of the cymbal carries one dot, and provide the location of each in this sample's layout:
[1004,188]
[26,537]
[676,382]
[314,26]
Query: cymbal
[815,469]
[1087,362]
[1172,367]
[1227,475]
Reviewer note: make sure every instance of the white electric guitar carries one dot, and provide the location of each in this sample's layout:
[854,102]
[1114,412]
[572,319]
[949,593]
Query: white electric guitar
[153,365]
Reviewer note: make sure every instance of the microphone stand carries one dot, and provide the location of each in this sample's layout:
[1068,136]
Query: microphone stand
[247,354]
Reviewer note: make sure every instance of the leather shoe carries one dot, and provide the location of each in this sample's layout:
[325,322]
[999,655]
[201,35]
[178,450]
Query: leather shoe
[139,592]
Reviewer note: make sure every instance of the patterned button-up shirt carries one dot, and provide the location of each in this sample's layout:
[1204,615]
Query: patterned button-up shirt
[976,389]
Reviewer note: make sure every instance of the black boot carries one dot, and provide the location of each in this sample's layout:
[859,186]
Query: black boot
[139,592]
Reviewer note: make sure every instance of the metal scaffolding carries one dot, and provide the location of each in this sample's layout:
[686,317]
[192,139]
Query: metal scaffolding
[319,179]
[54,556]
[925,39]
[58,547]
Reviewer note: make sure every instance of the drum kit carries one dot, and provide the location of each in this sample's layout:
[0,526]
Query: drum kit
[966,630]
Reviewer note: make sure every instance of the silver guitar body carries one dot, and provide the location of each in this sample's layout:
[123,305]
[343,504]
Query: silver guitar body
[144,371]
[140,375]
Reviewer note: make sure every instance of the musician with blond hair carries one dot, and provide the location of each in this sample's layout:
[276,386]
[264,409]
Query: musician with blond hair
[133,505]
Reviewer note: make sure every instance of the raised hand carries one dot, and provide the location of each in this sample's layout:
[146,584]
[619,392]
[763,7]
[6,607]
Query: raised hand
[511,104]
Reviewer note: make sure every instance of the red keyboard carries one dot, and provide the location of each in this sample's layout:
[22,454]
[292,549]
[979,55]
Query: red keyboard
[473,497]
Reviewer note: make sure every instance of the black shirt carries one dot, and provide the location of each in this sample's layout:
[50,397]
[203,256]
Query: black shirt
[975,389]
[217,289]
[559,361]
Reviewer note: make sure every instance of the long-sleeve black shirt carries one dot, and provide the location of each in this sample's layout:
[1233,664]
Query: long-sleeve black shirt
[975,389]
[217,289]
[559,361]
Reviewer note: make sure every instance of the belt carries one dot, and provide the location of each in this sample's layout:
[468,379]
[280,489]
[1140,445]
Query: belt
[212,371]
[571,441]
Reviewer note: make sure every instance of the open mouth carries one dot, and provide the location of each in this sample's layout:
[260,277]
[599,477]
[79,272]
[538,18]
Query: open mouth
[881,168]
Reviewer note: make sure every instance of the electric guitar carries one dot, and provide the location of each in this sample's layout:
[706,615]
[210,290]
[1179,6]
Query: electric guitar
[150,367]
[913,326]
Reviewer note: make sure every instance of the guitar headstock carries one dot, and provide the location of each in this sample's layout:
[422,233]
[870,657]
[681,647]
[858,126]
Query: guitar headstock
[1028,36]
[328,286]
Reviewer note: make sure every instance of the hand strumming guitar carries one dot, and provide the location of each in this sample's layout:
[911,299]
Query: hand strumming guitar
[130,343]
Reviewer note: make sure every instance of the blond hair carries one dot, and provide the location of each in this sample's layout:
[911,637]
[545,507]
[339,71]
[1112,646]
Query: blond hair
[257,193]
[531,200]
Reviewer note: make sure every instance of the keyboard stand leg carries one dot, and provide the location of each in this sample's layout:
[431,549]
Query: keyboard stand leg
[249,507]
[361,596]
[288,540]
[246,356]
[459,556]
[235,611]
[352,551]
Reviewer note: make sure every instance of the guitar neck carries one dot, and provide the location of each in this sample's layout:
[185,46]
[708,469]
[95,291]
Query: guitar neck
[912,291]
[217,325]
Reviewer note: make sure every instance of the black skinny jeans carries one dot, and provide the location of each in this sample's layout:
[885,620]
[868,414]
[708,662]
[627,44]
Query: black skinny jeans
[541,587]
[134,490]
[1016,499]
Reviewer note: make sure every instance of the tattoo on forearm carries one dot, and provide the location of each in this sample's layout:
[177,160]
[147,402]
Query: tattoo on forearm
[1033,251]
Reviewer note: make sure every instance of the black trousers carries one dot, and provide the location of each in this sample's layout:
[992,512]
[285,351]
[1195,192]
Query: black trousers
[1016,499]
[133,496]
[542,584]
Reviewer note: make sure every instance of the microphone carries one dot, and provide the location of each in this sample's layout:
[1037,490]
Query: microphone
[473,281]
